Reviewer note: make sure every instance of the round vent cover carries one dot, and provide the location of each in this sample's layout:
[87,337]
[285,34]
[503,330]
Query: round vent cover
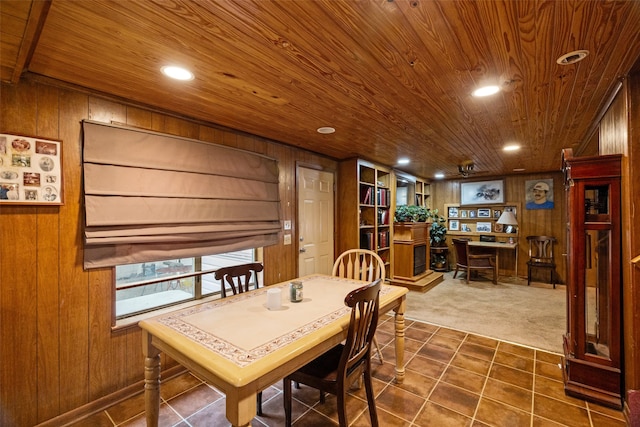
[572,57]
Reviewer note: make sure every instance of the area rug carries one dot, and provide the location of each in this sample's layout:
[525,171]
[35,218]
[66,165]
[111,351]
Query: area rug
[533,316]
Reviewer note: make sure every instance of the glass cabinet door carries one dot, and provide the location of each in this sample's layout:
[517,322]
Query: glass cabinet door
[597,292]
[597,272]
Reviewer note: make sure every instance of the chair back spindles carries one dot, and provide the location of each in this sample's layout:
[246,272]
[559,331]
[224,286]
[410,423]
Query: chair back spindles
[541,256]
[359,264]
[238,277]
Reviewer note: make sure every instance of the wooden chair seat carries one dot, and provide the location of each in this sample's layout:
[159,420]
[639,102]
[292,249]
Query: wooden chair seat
[334,371]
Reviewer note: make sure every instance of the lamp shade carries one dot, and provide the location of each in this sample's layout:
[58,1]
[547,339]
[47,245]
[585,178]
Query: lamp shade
[507,218]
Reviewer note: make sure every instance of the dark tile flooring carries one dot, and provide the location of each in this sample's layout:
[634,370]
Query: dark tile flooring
[452,379]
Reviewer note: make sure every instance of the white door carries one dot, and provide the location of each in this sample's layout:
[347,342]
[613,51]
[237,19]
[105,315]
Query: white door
[315,221]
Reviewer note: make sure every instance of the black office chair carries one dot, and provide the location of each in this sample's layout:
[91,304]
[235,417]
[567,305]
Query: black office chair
[335,371]
[238,278]
[541,256]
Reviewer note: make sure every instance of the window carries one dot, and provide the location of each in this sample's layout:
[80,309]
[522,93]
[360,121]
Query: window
[145,287]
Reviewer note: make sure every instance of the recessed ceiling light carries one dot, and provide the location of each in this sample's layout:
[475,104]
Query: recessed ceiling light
[177,73]
[403,161]
[486,91]
[518,169]
[438,175]
[572,57]
[326,130]
[511,147]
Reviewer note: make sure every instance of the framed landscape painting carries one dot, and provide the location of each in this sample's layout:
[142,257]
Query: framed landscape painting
[482,192]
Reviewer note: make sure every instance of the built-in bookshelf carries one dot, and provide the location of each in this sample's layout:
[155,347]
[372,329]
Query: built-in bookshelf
[480,220]
[367,224]
[423,194]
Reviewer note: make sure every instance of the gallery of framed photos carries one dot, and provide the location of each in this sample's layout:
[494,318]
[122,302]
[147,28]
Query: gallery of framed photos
[30,170]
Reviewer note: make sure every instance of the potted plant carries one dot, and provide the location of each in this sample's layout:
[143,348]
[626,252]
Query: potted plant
[438,231]
[411,213]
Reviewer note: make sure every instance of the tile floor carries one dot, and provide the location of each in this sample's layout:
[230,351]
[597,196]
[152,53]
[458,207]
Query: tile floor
[452,379]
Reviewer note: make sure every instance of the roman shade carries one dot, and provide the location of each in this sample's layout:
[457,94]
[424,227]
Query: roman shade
[151,197]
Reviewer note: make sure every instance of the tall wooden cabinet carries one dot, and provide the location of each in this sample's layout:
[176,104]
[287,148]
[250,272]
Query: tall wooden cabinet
[365,213]
[592,344]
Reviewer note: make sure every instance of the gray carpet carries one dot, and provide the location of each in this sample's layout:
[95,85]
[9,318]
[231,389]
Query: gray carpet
[534,315]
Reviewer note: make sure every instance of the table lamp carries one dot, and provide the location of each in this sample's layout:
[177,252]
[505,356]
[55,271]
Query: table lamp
[508,218]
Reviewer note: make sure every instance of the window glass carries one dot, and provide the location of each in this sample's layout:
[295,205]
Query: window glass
[149,286]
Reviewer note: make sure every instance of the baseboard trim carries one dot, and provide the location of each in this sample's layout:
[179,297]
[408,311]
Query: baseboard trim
[91,408]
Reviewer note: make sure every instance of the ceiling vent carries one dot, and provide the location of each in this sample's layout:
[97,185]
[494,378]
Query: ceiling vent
[572,57]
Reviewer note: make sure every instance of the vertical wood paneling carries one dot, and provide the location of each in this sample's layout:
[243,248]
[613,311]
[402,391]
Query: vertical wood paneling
[48,255]
[281,261]
[631,279]
[620,134]
[74,282]
[547,222]
[57,349]
[18,278]
[614,128]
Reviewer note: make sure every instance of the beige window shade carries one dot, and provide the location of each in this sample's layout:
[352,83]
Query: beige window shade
[151,196]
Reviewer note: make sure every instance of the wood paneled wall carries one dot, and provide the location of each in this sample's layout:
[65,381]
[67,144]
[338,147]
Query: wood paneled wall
[620,134]
[57,351]
[547,222]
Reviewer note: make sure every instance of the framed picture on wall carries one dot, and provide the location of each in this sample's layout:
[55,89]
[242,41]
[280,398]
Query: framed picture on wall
[484,213]
[539,194]
[454,225]
[463,213]
[482,192]
[453,212]
[30,170]
[483,227]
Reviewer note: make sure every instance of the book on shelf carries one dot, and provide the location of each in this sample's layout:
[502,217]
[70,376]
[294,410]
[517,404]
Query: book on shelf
[383,196]
[366,196]
[383,216]
[366,240]
[383,239]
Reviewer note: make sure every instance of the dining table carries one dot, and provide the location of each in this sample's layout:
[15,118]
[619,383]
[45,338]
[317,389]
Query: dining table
[241,347]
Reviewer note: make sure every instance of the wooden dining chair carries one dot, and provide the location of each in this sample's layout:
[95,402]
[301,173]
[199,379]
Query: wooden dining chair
[541,256]
[335,371]
[239,278]
[469,262]
[361,264]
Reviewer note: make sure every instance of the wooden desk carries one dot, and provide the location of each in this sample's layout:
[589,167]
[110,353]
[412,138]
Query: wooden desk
[496,246]
[241,348]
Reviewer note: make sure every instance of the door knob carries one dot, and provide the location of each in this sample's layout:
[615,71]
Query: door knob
[302,250]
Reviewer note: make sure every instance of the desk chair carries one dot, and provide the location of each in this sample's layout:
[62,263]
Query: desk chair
[238,277]
[361,264]
[334,371]
[465,260]
[541,256]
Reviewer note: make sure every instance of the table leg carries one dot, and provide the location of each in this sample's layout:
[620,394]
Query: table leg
[399,341]
[240,410]
[151,380]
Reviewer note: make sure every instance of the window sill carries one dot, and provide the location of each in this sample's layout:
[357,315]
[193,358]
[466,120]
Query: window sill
[132,322]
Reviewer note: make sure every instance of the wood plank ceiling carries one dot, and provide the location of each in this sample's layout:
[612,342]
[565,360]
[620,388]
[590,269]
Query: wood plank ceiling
[394,77]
